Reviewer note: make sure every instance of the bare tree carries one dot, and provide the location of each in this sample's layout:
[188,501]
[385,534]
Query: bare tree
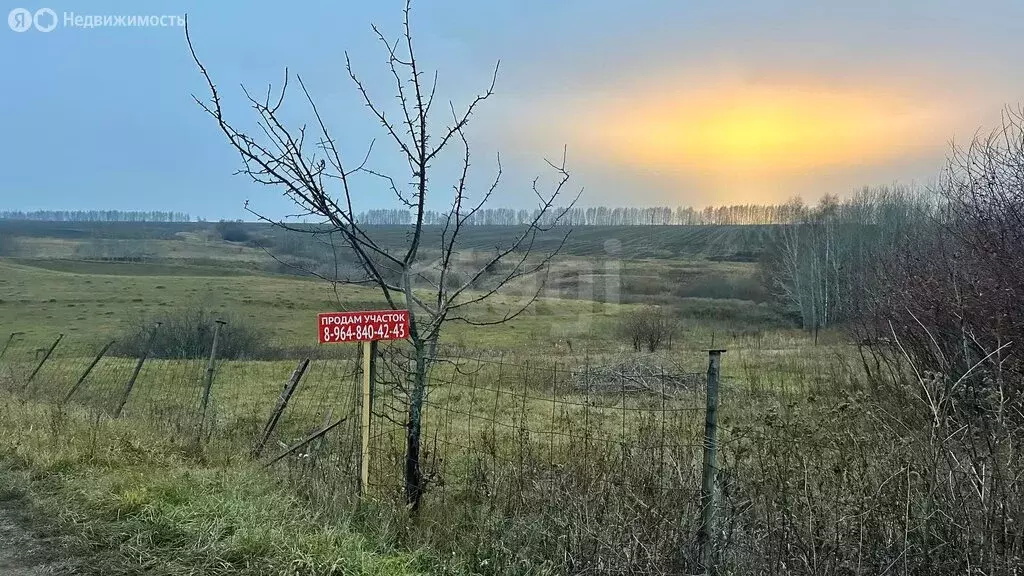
[819,266]
[949,292]
[307,164]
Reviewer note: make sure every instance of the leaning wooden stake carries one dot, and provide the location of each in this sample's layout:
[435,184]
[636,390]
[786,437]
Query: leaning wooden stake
[282,403]
[210,367]
[85,374]
[135,373]
[705,537]
[43,361]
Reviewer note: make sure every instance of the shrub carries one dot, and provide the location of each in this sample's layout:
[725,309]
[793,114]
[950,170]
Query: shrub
[454,279]
[648,327]
[8,245]
[188,333]
[720,286]
[644,285]
[232,231]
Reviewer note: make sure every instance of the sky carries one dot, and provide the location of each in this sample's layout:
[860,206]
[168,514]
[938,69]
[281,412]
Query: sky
[662,102]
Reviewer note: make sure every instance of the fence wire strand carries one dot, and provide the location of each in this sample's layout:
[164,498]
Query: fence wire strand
[599,467]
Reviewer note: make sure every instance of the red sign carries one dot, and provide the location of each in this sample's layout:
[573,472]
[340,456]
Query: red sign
[362,326]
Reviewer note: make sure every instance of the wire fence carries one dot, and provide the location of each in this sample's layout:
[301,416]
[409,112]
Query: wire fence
[470,402]
[616,453]
[501,436]
[567,464]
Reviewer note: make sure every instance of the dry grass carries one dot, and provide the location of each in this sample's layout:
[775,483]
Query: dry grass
[129,502]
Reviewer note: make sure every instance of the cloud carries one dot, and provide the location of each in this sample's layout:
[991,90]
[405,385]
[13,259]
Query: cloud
[756,101]
[717,135]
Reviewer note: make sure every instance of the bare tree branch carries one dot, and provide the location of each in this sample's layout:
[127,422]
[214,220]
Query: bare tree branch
[315,178]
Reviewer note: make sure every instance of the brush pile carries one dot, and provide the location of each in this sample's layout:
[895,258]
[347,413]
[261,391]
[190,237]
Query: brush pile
[636,374]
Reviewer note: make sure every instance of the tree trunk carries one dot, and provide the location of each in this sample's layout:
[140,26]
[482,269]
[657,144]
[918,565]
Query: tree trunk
[413,473]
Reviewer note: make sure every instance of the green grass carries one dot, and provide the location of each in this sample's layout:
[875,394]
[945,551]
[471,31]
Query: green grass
[113,268]
[142,488]
[127,502]
[59,277]
[529,474]
[43,302]
[709,241]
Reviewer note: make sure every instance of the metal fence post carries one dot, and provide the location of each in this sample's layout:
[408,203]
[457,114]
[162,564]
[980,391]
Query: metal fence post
[85,374]
[43,361]
[705,537]
[135,373]
[282,403]
[9,341]
[210,367]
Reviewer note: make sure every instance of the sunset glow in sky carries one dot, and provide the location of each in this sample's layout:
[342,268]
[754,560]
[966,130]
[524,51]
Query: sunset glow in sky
[757,136]
[765,131]
[658,101]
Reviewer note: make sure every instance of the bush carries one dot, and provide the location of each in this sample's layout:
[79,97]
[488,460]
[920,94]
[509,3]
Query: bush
[188,333]
[8,245]
[644,286]
[232,231]
[720,286]
[454,279]
[648,327]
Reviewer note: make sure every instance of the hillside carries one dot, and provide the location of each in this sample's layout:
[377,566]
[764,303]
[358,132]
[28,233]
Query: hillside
[168,240]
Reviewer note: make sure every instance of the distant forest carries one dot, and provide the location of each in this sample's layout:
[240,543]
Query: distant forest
[787,213]
[96,216]
[791,212]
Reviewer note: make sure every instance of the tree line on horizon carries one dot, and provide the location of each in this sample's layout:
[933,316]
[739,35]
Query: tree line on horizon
[738,214]
[96,216]
[790,212]
[794,211]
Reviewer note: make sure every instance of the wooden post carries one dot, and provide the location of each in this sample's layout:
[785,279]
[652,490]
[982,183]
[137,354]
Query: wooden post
[369,367]
[88,370]
[282,403]
[209,373]
[373,374]
[705,537]
[9,341]
[43,361]
[135,373]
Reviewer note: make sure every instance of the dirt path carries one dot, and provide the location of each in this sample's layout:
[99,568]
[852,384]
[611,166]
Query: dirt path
[21,553]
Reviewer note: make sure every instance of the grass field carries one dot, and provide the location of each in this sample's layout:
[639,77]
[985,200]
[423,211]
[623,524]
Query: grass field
[508,428]
[63,293]
[41,301]
[62,239]
[124,500]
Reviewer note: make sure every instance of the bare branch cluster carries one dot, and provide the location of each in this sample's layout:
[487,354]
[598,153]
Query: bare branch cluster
[648,328]
[307,165]
[635,374]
